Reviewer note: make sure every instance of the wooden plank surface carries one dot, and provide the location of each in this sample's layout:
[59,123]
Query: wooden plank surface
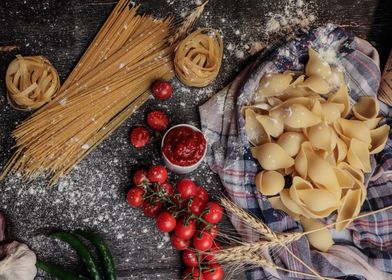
[93,195]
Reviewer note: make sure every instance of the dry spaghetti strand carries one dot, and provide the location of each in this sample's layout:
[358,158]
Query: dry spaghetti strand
[108,84]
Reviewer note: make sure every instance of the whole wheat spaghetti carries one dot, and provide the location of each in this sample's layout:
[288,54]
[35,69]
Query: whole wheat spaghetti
[109,83]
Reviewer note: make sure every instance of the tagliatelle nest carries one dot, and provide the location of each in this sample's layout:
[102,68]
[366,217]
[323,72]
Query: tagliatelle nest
[198,57]
[31,82]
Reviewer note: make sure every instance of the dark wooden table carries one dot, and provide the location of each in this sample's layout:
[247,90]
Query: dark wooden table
[93,195]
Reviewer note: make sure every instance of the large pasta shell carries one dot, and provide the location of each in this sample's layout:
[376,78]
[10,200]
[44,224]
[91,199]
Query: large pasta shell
[342,97]
[254,130]
[358,155]
[340,151]
[298,116]
[269,182]
[322,173]
[277,203]
[350,208]
[271,156]
[348,129]
[317,66]
[273,127]
[379,138]
[302,161]
[321,137]
[321,238]
[291,142]
[345,179]
[290,204]
[367,107]
[372,123]
[356,173]
[274,84]
[316,84]
[332,111]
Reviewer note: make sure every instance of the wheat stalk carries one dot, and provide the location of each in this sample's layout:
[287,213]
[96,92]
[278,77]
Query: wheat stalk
[187,24]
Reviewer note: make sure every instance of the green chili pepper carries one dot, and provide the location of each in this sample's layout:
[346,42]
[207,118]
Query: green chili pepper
[82,251]
[58,272]
[103,252]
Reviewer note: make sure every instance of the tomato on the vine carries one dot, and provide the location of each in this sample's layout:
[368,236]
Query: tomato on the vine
[135,196]
[213,272]
[209,255]
[187,188]
[157,120]
[211,229]
[192,273]
[214,212]
[196,205]
[151,208]
[185,229]
[202,241]
[166,189]
[140,177]
[179,243]
[189,258]
[202,193]
[157,174]
[166,222]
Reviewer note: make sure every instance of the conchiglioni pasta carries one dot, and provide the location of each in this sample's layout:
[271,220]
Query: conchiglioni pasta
[307,130]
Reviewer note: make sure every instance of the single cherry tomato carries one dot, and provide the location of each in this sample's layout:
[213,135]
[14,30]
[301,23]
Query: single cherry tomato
[162,90]
[192,273]
[139,137]
[140,177]
[151,208]
[209,255]
[135,196]
[211,229]
[202,241]
[187,188]
[214,212]
[185,230]
[202,193]
[196,205]
[213,272]
[179,243]
[189,257]
[157,174]
[166,222]
[157,120]
[166,189]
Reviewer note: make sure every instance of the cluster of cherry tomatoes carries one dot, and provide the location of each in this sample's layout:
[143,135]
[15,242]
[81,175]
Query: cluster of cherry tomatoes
[184,211]
[156,120]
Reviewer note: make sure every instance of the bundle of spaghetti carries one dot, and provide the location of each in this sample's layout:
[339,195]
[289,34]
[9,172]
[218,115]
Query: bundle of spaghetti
[111,81]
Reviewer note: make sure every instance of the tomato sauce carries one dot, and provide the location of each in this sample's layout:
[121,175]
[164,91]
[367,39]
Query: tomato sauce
[184,146]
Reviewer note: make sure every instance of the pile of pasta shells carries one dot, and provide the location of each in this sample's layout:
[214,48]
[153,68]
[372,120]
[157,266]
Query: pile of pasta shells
[302,126]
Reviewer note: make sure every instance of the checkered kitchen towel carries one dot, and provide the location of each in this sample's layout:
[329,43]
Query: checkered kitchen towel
[364,250]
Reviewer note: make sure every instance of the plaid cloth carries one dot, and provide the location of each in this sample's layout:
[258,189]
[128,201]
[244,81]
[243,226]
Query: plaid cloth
[364,249]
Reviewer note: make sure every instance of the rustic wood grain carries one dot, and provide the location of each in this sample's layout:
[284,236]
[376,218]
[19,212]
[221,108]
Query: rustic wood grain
[61,31]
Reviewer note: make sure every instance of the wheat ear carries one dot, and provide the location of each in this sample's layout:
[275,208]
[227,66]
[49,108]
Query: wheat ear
[187,24]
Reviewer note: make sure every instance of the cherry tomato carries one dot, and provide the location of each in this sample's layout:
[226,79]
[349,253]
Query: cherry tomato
[192,273]
[209,256]
[196,205]
[187,188]
[162,90]
[185,230]
[189,257]
[179,243]
[139,137]
[214,212]
[166,222]
[211,229]
[151,208]
[135,196]
[157,174]
[202,241]
[166,189]
[140,177]
[213,272]
[202,193]
[157,120]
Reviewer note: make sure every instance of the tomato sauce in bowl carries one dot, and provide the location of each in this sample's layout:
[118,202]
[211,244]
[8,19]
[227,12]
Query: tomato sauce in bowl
[183,148]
